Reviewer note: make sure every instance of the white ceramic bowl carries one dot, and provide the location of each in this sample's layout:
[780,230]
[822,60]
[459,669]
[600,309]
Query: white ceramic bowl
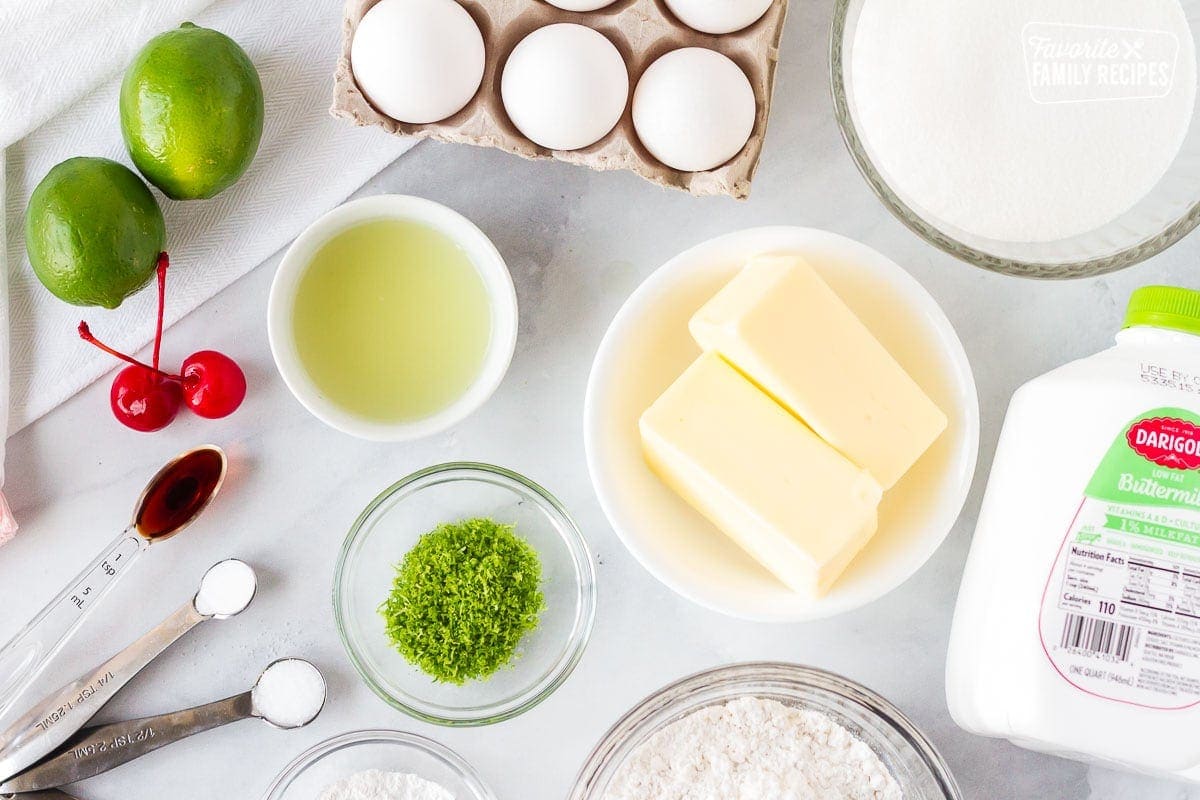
[648,346]
[483,255]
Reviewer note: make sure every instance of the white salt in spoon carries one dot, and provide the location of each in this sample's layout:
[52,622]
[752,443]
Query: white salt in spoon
[225,590]
[289,693]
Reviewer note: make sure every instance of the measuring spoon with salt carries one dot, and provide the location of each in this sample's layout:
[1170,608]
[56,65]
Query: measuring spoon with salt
[173,498]
[289,693]
[225,591]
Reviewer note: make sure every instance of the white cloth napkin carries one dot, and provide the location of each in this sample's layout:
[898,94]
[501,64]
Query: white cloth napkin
[56,51]
[307,162]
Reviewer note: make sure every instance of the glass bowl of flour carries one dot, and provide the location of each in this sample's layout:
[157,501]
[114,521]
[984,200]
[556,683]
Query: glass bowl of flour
[1041,138]
[365,765]
[767,730]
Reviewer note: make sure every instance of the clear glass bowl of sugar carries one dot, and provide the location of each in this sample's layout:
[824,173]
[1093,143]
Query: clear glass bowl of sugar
[907,754]
[1058,81]
[326,764]
[393,523]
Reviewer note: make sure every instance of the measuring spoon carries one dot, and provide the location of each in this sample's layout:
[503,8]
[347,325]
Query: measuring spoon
[225,591]
[172,499]
[100,749]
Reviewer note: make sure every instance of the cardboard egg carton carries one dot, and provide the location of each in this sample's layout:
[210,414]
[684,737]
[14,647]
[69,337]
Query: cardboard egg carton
[642,30]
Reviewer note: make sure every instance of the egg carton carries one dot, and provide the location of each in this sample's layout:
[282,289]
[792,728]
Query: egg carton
[642,30]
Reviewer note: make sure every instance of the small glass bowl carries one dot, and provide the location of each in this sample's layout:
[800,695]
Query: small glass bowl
[1164,216]
[392,524]
[908,755]
[334,759]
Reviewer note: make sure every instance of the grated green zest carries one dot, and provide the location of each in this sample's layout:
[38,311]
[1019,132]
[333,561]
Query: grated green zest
[463,598]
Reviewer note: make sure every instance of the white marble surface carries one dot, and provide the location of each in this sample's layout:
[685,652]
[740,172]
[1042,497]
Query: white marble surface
[577,243]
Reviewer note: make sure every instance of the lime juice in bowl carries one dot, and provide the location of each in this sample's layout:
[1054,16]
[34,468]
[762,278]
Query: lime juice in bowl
[392,317]
[392,320]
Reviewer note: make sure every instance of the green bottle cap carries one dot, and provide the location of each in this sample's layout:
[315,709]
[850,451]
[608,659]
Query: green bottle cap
[1164,307]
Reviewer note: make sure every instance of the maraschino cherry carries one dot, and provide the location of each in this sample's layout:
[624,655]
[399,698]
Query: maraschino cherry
[145,398]
[213,384]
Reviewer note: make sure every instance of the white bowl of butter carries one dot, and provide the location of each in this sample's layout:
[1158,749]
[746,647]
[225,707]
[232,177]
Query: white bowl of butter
[648,347]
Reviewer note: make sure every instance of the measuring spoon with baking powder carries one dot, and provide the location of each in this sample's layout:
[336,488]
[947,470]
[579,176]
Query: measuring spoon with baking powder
[172,499]
[225,591]
[289,693]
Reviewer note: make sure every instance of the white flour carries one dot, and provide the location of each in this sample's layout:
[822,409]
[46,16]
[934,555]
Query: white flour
[750,749]
[376,784]
[1023,120]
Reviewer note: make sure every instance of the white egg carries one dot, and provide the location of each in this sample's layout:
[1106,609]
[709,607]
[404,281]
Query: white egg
[581,5]
[694,109]
[565,86]
[718,16]
[418,61]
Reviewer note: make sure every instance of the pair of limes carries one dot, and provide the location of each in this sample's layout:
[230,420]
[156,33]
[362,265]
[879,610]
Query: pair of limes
[192,117]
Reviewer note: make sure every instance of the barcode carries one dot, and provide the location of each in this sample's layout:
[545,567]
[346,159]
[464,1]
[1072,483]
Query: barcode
[1097,636]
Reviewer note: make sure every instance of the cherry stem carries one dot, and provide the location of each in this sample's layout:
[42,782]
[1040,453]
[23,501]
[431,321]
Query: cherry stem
[85,333]
[163,262]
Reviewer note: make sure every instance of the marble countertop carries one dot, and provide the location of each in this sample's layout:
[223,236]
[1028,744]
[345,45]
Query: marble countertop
[577,244]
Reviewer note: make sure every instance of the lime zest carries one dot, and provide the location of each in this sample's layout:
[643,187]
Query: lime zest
[463,599]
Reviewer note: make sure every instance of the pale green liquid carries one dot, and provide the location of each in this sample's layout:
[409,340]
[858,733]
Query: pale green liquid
[392,320]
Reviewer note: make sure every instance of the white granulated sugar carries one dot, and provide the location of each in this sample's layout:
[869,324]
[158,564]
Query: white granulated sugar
[290,693]
[753,749]
[226,589]
[1023,120]
[376,784]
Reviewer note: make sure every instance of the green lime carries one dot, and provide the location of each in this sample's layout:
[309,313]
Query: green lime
[192,111]
[93,232]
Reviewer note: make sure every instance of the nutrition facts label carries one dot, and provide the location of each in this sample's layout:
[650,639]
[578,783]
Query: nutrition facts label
[1125,619]
[1162,593]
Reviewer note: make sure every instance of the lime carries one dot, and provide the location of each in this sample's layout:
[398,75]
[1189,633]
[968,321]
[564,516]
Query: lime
[192,111]
[93,232]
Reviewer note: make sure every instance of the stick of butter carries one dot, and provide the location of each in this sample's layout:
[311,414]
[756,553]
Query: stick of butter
[785,329]
[756,472]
